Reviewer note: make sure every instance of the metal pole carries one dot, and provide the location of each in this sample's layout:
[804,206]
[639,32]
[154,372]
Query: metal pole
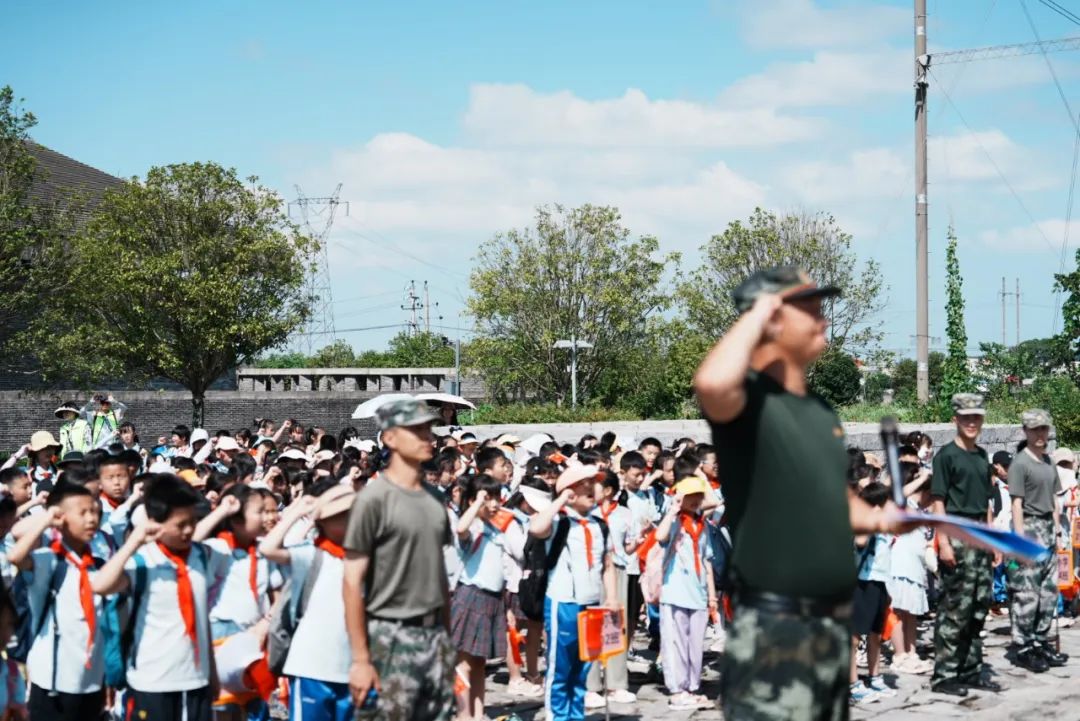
[1004,342]
[457,360]
[573,373]
[1017,311]
[922,280]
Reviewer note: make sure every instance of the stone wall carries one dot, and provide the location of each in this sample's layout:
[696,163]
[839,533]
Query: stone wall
[155,413]
[864,435]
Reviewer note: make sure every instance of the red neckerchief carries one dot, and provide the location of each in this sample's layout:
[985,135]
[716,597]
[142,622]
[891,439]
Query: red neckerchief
[86,593]
[712,481]
[325,544]
[607,514]
[105,500]
[588,540]
[695,530]
[185,594]
[253,561]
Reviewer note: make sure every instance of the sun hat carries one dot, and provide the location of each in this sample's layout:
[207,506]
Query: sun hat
[42,440]
[66,407]
[367,445]
[1063,455]
[72,457]
[538,500]
[293,454]
[691,485]
[227,443]
[321,457]
[507,439]
[465,438]
[199,434]
[576,474]
[338,499]
[191,478]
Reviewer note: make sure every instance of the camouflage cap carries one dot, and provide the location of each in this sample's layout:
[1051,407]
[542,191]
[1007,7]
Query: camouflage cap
[968,404]
[404,412]
[1036,418]
[788,282]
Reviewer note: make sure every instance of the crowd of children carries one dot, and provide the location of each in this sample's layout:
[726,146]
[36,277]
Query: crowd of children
[201,577]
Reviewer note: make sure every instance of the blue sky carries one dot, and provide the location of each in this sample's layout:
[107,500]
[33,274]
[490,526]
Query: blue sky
[447,122]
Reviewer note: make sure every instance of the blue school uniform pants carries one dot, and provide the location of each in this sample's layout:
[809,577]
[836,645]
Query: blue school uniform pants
[566,677]
[311,700]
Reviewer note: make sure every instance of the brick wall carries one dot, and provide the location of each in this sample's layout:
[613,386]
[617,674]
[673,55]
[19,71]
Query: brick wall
[155,413]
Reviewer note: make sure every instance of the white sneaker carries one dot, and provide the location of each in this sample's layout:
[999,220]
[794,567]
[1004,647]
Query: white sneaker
[621,695]
[1066,622]
[594,700]
[636,664]
[682,702]
[524,689]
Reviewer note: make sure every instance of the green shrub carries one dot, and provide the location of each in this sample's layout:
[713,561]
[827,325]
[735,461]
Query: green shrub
[543,413]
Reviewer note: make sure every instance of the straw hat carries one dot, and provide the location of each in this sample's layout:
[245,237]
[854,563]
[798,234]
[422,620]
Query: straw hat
[42,440]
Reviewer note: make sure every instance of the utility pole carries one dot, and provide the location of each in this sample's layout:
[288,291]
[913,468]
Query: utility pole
[1004,342]
[922,279]
[1017,311]
[317,283]
[427,309]
[413,305]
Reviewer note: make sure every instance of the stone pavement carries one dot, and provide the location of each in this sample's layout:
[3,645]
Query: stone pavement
[1053,695]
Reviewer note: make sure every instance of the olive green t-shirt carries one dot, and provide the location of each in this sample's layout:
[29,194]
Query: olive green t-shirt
[1036,482]
[783,466]
[962,480]
[403,533]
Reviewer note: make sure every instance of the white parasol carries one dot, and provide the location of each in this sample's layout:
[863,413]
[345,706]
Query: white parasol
[367,408]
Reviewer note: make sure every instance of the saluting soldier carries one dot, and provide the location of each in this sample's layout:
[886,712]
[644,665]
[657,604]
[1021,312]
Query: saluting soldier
[781,451]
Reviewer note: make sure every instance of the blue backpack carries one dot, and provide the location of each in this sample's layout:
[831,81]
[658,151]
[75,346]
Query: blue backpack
[117,626]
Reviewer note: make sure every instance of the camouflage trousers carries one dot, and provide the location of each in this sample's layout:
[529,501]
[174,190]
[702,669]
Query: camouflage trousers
[785,667]
[966,594]
[416,671]
[1034,589]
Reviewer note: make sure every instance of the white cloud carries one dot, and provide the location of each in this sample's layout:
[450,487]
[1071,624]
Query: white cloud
[1039,237]
[803,24]
[872,173]
[979,156]
[828,79]
[517,115]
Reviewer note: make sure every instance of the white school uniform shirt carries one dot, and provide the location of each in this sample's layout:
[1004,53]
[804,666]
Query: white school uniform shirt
[643,512]
[236,602]
[683,586]
[320,645]
[482,554]
[573,580]
[102,545]
[620,526]
[513,561]
[72,674]
[163,658]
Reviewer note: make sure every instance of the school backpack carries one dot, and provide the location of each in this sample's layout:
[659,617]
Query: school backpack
[117,626]
[722,550]
[25,628]
[656,563]
[539,563]
[289,609]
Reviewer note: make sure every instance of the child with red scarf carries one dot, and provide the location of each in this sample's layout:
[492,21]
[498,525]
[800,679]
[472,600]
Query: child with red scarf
[170,670]
[688,594]
[66,660]
[319,656]
[243,605]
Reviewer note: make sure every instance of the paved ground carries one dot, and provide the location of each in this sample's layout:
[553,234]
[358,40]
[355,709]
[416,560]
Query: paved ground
[1053,695]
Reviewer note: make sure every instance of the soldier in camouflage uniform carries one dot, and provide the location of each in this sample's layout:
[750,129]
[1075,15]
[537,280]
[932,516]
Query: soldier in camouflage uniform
[1033,486]
[791,513]
[395,584]
[961,486]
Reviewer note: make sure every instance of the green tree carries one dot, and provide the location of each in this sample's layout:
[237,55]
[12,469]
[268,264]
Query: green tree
[813,242]
[31,228]
[183,275]
[904,379]
[835,377]
[576,274]
[1070,311]
[338,354]
[420,350]
[288,359]
[956,376]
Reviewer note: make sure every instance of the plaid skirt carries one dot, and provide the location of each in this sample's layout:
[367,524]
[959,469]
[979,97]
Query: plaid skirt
[514,604]
[478,622]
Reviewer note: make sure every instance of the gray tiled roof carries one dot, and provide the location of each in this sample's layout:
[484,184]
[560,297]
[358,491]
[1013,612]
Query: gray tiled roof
[59,175]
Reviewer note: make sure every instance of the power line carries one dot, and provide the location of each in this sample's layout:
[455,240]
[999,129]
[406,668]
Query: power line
[1050,67]
[318,280]
[354,330]
[994,164]
[1062,11]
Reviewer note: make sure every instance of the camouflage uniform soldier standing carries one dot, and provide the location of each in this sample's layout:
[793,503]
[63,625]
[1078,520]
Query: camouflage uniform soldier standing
[395,584]
[1033,485]
[781,452]
[961,486]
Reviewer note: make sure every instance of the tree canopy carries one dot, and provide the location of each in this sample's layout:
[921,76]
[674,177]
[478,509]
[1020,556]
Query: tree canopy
[575,274]
[183,275]
[811,241]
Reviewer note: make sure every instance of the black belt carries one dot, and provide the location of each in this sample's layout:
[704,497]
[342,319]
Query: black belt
[778,603]
[427,620]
